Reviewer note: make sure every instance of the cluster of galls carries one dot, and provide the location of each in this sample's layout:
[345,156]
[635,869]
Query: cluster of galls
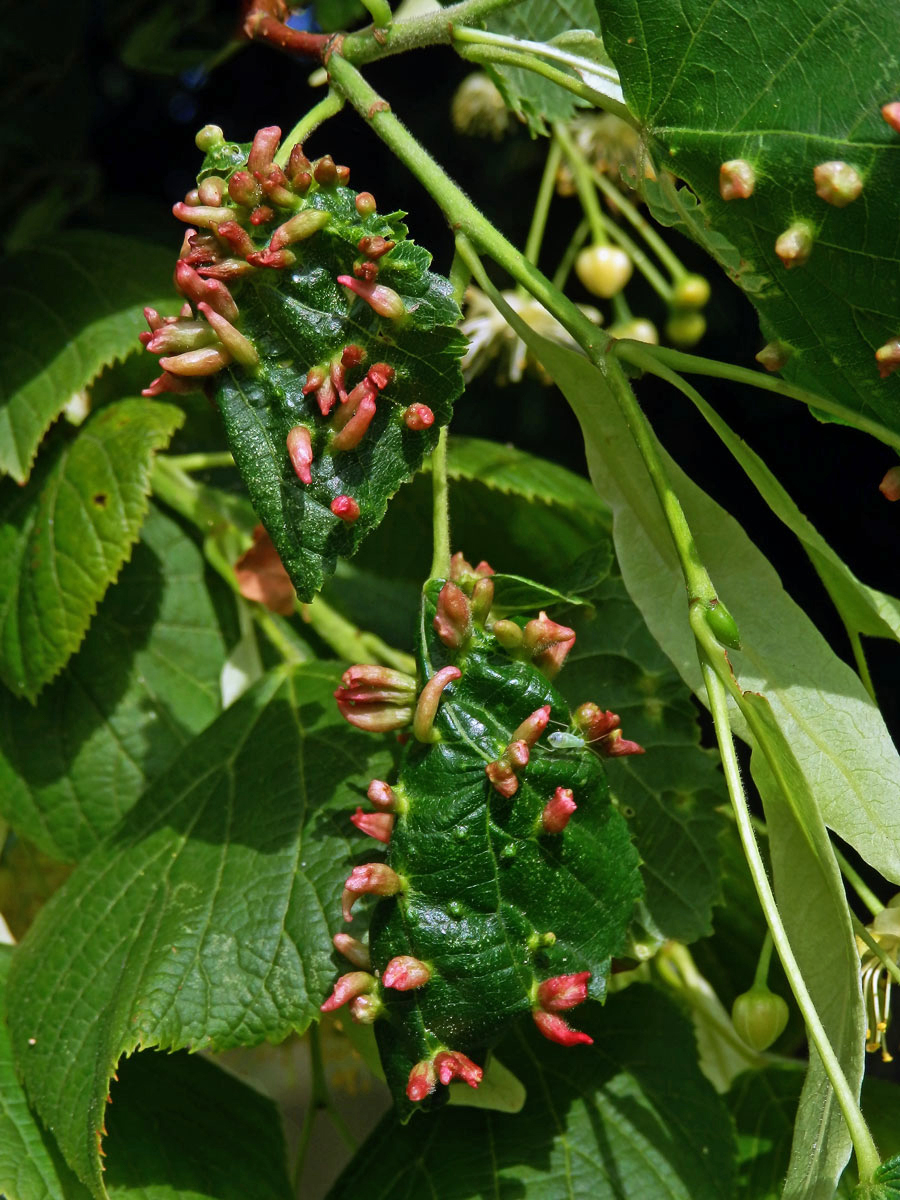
[257,220]
[379,699]
[838,184]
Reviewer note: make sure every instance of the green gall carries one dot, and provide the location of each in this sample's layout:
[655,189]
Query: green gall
[794,246]
[737,180]
[759,1017]
[210,137]
[723,625]
[691,291]
[774,356]
[837,183]
[604,270]
[685,328]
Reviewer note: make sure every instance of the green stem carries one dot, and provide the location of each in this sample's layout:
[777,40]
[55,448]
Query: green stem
[761,978]
[542,204]
[440,563]
[859,656]
[459,210]
[527,62]
[692,364]
[329,106]
[661,249]
[350,642]
[867,1156]
[434,29]
[380,12]
[641,261]
[211,460]
[462,33]
[568,259]
[878,950]
[460,274]
[859,885]
[584,183]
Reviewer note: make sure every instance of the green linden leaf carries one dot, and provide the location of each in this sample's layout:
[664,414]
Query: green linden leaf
[68,308]
[217,897]
[507,904]
[65,536]
[591,1125]
[713,84]
[299,328]
[179,1128]
[144,682]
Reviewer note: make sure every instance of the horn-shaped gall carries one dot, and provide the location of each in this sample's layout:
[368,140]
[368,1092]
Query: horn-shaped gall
[427,705]
[353,950]
[558,810]
[450,1065]
[563,992]
[381,299]
[299,448]
[369,879]
[356,983]
[556,1029]
[405,973]
[377,825]
[453,619]
[422,1081]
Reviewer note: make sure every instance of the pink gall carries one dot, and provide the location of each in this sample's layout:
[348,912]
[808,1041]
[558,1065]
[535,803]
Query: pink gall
[369,681]
[482,599]
[365,204]
[429,699]
[237,238]
[450,1065]
[453,619]
[737,180]
[211,190]
[366,1009]
[532,727]
[888,357]
[380,374]
[593,722]
[517,755]
[382,300]
[563,992]
[795,245]
[555,1029]
[353,356]
[356,428]
[356,983]
[265,143]
[169,383]
[558,811]
[418,417]
[405,973]
[548,642]
[377,825]
[240,348]
[422,1081]
[275,260]
[345,508]
[202,215]
[197,363]
[382,796]
[212,291]
[891,113]
[262,215]
[502,777]
[353,950]
[616,746]
[244,189]
[299,448]
[370,879]
[299,228]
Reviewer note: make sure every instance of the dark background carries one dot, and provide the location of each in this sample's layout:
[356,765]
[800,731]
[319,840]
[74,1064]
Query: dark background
[100,106]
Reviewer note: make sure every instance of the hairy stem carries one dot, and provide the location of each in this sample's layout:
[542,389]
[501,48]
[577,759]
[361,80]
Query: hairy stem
[432,29]
[867,1156]
[584,183]
[329,106]
[440,563]
[542,204]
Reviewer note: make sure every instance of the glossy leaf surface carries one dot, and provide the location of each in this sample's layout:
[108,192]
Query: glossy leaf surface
[716,83]
[217,895]
[65,536]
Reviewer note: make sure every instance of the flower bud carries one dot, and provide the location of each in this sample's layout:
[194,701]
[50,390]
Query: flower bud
[353,950]
[422,1081]
[639,329]
[405,973]
[604,270]
[348,986]
[795,245]
[299,448]
[453,619]
[346,508]
[685,328]
[382,300]
[450,1065]
[558,811]
[563,992]
[377,825]
[370,879]
[691,291]
[759,1017]
[737,180]
[555,1029]
[837,183]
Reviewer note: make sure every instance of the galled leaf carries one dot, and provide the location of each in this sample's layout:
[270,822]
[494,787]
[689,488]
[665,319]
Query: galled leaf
[591,1125]
[217,897]
[784,92]
[65,536]
[144,682]
[346,361]
[68,308]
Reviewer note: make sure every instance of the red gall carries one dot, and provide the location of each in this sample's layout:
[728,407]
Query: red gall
[370,879]
[356,428]
[381,299]
[890,485]
[891,114]
[453,618]
[563,992]
[347,987]
[353,950]
[299,448]
[429,699]
[376,825]
[532,727]
[450,1065]
[405,973]
[888,357]
[422,1081]
[418,417]
[558,810]
[555,1029]
[346,508]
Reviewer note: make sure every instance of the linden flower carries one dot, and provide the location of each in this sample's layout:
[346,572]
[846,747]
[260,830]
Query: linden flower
[478,109]
[490,337]
[876,982]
